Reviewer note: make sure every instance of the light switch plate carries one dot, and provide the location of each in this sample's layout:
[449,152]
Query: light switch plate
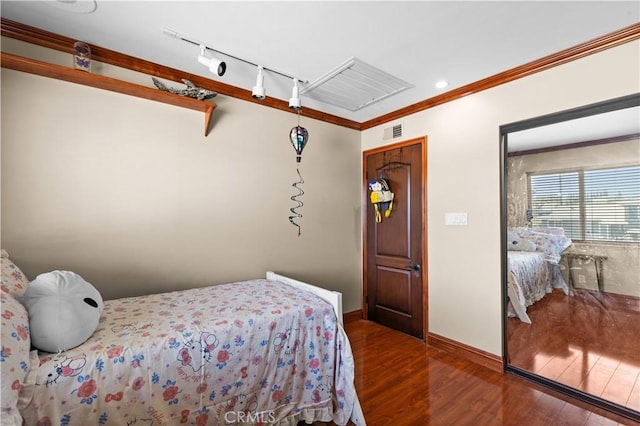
[456,219]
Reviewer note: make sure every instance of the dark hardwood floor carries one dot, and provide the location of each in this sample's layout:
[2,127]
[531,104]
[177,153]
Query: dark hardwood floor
[589,341]
[402,382]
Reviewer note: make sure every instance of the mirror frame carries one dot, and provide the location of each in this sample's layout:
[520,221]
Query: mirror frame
[623,102]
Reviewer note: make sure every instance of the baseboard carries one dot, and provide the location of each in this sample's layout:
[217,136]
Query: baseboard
[624,302]
[470,353]
[352,316]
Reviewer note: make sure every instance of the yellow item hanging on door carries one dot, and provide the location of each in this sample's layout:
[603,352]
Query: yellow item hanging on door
[381,197]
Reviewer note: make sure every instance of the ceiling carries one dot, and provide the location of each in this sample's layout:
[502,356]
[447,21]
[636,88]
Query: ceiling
[419,42]
[612,124]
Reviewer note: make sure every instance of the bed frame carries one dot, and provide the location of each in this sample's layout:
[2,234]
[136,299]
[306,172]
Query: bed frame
[333,297]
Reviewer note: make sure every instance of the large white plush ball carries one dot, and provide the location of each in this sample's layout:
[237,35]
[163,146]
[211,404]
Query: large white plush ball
[64,310]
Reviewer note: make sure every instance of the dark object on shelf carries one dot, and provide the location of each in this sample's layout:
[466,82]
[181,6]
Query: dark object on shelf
[191,91]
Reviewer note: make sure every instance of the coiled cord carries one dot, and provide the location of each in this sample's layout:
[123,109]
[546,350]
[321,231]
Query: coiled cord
[294,210]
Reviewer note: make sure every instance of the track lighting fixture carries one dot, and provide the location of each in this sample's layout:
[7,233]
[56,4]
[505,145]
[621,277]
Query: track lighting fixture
[294,102]
[215,65]
[258,90]
[218,67]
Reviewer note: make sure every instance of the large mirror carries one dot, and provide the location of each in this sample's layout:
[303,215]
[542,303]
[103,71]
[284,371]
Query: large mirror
[571,252]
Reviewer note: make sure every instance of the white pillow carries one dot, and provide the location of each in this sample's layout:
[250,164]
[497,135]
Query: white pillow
[516,243]
[64,310]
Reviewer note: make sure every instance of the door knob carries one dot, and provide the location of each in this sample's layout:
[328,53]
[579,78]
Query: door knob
[416,267]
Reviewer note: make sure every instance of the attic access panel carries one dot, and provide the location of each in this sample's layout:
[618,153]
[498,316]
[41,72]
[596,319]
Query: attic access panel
[354,85]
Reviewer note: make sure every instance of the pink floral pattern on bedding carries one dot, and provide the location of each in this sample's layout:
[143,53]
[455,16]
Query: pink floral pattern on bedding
[527,281]
[13,281]
[534,274]
[243,353]
[550,241]
[530,272]
[15,359]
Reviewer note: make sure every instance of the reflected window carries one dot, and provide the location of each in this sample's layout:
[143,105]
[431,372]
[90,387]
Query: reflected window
[591,204]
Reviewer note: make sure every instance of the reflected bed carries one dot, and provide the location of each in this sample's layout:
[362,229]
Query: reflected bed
[532,274]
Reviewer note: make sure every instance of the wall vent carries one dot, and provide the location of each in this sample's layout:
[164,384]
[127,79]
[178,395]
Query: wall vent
[392,132]
[354,85]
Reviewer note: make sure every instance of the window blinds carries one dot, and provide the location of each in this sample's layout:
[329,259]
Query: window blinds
[590,204]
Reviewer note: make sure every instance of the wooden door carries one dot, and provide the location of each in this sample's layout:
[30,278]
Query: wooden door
[395,260]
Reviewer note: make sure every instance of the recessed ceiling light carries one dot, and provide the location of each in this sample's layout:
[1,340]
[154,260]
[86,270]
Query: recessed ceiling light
[442,84]
[74,6]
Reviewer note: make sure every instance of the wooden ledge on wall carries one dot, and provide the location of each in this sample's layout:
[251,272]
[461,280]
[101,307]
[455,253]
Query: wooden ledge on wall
[32,66]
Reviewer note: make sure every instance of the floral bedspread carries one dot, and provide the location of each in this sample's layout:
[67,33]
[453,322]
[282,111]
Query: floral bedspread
[252,352]
[528,280]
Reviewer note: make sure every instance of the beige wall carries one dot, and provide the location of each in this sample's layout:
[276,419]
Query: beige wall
[622,267]
[464,176]
[130,194]
[154,203]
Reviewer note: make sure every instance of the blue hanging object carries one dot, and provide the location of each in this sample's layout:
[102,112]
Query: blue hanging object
[298,137]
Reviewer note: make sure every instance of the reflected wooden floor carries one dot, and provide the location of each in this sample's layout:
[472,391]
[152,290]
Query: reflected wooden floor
[590,341]
[402,382]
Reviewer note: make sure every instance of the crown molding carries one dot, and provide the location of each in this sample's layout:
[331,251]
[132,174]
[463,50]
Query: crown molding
[616,38]
[62,43]
[43,38]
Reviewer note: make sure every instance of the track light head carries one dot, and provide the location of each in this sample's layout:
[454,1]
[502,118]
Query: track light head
[219,67]
[258,90]
[294,102]
[215,65]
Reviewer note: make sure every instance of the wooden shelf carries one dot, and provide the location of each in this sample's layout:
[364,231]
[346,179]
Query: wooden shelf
[45,69]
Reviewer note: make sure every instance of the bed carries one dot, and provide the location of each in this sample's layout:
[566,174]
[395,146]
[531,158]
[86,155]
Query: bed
[262,351]
[534,273]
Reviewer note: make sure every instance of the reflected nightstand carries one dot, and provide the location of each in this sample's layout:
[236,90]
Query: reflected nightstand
[598,264]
